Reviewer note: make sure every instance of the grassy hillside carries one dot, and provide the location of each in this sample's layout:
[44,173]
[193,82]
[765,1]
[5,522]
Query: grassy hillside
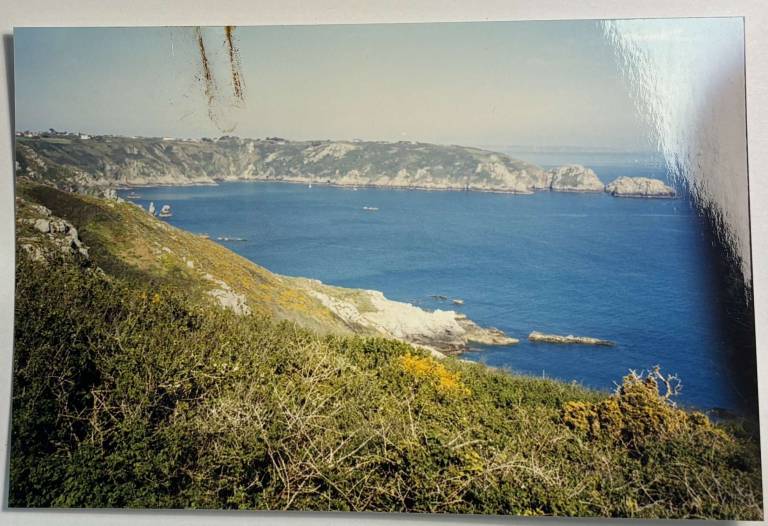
[133,387]
[129,243]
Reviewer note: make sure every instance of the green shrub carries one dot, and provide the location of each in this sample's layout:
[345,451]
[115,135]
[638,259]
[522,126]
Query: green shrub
[636,413]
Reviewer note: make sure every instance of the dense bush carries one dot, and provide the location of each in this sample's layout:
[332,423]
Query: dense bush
[130,396]
[637,413]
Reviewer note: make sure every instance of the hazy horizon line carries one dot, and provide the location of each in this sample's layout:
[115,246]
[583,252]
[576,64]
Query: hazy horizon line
[485,146]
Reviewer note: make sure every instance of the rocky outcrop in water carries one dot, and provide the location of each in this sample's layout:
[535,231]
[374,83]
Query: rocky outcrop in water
[540,337]
[574,178]
[639,187]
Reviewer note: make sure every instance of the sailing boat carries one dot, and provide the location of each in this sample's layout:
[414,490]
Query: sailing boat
[151,208]
[165,211]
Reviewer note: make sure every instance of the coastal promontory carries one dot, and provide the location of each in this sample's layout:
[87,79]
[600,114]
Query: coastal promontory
[100,164]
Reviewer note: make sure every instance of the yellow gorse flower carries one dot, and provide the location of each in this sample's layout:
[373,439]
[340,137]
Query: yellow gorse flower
[429,369]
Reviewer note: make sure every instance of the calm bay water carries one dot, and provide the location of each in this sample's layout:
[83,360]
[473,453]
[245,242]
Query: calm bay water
[636,271]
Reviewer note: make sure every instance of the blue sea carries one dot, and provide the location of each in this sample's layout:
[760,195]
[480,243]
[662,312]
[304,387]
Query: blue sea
[635,271]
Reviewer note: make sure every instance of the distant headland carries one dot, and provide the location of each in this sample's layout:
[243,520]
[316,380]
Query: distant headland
[100,164]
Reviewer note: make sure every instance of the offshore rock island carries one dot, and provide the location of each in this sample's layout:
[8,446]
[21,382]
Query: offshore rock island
[100,164]
[540,337]
[639,187]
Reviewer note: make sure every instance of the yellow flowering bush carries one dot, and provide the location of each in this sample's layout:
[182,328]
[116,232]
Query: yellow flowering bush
[423,367]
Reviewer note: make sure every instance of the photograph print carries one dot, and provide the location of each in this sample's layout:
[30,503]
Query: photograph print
[473,268]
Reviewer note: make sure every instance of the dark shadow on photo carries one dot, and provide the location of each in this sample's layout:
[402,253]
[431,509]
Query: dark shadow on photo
[9,79]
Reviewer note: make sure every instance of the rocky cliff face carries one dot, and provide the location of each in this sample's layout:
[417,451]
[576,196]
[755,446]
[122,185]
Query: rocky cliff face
[639,187]
[101,163]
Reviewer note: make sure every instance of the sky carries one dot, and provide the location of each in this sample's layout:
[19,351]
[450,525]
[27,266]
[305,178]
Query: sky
[541,84]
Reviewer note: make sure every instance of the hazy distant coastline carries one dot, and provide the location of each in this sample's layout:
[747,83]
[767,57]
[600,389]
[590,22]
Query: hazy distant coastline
[100,164]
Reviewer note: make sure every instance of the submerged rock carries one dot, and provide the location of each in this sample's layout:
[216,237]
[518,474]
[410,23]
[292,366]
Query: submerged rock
[540,337]
[639,187]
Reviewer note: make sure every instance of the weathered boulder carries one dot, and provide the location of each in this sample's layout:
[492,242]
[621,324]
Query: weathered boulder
[574,178]
[43,225]
[38,209]
[59,226]
[639,187]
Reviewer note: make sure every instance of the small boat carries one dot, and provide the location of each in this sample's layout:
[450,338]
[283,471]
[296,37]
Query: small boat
[151,208]
[458,302]
[165,211]
[227,238]
[371,208]
[132,195]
